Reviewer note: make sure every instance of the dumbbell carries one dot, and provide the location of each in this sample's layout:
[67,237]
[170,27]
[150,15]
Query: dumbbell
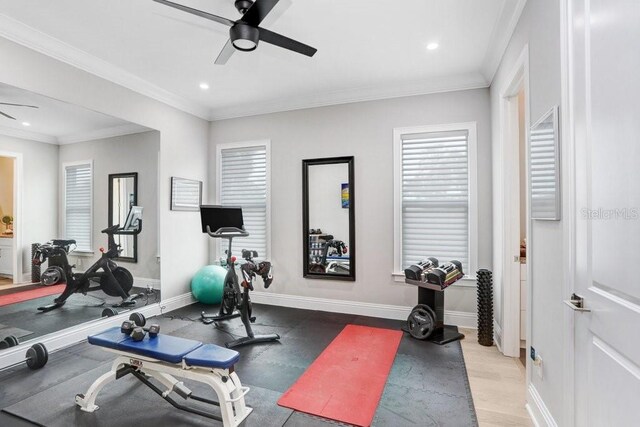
[417,271]
[37,356]
[137,333]
[9,342]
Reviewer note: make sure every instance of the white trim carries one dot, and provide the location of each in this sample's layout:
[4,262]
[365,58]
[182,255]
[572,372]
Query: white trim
[501,36]
[568,180]
[34,39]
[497,335]
[28,135]
[472,141]
[348,96]
[81,251]
[75,334]
[144,282]
[121,130]
[246,144]
[384,311]
[538,411]
[18,230]
[518,78]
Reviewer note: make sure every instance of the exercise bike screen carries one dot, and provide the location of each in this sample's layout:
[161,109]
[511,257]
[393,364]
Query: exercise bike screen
[217,217]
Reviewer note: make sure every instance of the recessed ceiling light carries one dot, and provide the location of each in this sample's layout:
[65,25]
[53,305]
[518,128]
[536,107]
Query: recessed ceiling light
[204,86]
[433,46]
[26,124]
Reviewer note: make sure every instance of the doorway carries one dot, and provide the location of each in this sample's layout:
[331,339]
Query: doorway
[7,215]
[516,235]
[10,209]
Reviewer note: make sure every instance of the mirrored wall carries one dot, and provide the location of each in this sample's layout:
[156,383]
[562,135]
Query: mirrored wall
[79,212]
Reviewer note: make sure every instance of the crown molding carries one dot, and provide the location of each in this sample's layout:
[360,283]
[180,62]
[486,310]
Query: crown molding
[348,96]
[25,134]
[502,32]
[126,129]
[34,39]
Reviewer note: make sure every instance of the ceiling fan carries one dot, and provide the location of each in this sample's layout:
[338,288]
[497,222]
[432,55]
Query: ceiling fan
[14,105]
[245,33]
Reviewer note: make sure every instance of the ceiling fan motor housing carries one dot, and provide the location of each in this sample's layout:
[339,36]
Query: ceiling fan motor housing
[244,37]
[243,5]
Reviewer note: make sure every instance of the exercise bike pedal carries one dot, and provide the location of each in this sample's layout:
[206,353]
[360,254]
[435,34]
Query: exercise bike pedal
[252,319]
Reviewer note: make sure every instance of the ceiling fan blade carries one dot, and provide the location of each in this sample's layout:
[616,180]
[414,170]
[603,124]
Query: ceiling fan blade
[197,12]
[258,11]
[285,42]
[18,105]
[225,53]
[7,116]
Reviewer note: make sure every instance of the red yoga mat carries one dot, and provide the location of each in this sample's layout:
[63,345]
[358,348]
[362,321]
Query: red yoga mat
[346,381]
[31,294]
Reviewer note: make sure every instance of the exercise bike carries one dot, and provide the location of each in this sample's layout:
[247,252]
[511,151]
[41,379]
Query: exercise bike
[236,302]
[113,280]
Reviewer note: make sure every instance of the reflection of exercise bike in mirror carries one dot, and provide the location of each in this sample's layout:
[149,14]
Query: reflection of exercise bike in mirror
[113,280]
[324,265]
[228,223]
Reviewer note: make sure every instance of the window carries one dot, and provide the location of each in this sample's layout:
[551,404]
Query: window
[78,204]
[244,180]
[435,198]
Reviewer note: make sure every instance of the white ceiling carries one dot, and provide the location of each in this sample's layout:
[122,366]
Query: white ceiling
[366,49]
[56,122]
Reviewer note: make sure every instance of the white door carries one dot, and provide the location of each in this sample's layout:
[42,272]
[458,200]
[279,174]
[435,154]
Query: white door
[605,74]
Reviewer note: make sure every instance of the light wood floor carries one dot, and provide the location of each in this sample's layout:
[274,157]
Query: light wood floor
[497,384]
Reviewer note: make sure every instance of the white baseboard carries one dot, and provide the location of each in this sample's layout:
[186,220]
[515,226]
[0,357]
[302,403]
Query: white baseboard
[143,282]
[174,303]
[397,312]
[537,410]
[75,334]
[497,335]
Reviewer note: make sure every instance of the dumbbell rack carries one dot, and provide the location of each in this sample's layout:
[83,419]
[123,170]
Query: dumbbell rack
[433,296]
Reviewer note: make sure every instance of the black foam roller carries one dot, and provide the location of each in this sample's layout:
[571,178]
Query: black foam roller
[485,307]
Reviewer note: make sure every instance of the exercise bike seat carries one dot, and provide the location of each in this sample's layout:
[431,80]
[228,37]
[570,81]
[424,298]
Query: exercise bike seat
[62,242]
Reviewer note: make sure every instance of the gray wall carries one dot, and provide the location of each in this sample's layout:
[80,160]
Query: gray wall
[129,153]
[363,130]
[39,195]
[183,146]
[539,27]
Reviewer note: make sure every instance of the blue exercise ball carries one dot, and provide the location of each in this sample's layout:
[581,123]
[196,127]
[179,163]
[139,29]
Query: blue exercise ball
[207,285]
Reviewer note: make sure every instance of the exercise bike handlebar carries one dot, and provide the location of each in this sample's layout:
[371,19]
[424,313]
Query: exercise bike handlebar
[226,232]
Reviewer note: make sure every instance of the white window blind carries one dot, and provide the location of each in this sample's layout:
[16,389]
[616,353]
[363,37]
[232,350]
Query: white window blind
[544,173]
[243,182]
[78,204]
[435,197]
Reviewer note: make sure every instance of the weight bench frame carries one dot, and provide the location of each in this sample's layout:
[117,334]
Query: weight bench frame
[225,383]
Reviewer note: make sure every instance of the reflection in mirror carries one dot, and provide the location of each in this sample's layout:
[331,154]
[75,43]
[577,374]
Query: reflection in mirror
[544,167]
[328,217]
[55,219]
[123,194]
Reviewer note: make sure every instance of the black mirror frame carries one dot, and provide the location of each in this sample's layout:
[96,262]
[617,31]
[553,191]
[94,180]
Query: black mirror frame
[133,175]
[349,160]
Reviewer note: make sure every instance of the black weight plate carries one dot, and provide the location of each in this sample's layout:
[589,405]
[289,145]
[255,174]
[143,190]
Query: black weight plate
[108,312]
[43,354]
[421,322]
[4,345]
[138,319]
[12,341]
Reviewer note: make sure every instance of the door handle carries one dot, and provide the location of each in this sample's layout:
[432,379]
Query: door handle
[577,304]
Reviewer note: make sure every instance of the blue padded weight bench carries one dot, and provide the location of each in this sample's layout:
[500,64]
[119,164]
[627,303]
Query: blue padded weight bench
[164,358]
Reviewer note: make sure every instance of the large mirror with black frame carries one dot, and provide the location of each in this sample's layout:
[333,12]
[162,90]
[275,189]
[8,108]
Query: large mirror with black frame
[328,214]
[123,195]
